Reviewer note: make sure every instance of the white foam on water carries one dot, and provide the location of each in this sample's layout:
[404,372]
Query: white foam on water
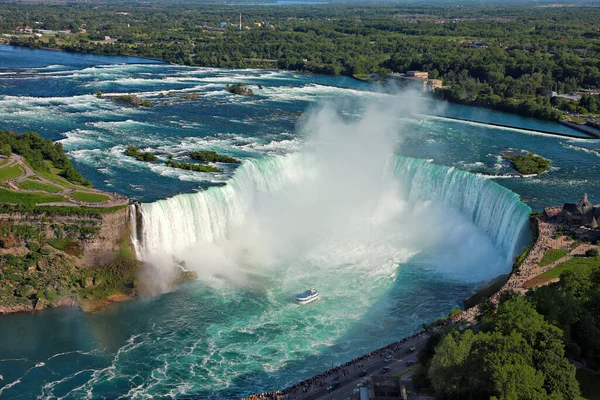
[506,128]
[595,152]
[316,92]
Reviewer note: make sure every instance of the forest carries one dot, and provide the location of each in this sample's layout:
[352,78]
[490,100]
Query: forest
[523,346]
[504,56]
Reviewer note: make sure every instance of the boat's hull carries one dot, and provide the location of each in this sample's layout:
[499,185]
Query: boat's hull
[311,300]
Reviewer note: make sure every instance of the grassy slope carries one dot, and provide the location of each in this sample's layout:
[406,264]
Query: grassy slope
[31,184]
[53,176]
[10,172]
[12,197]
[576,262]
[89,197]
[552,255]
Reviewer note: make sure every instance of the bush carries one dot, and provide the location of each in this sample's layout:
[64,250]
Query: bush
[591,253]
[5,150]
[33,246]
[191,167]
[239,88]
[133,100]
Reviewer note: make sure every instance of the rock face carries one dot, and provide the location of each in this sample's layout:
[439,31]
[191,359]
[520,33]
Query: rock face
[114,227]
[95,238]
[60,259]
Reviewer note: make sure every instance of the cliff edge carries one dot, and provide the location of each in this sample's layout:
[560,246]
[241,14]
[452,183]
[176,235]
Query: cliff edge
[50,258]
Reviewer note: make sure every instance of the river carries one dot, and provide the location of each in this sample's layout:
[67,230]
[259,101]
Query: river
[392,211]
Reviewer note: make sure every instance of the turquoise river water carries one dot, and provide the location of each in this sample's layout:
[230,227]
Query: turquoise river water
[393,211]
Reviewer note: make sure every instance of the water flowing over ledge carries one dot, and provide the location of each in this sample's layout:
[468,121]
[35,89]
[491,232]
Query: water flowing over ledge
[172,225]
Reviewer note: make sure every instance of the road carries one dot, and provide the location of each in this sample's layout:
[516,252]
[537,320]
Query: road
[373,366]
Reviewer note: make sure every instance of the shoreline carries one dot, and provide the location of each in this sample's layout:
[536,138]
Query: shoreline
[69,302]
[516,127]
[159,60]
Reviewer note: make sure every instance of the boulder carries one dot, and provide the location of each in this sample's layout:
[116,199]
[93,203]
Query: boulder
[87,282]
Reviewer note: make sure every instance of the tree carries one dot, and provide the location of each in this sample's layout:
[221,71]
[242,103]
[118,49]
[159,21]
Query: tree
[576,281]
[516,355]
[5,149]
[447,371]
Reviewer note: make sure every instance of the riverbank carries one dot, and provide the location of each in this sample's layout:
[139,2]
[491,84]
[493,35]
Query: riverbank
[518,281]
[157,60]
[362,78]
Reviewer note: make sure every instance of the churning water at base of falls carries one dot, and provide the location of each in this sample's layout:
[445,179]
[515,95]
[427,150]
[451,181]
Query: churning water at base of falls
[236,330]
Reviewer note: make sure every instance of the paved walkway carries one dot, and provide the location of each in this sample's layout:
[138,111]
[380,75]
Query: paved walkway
[348,375]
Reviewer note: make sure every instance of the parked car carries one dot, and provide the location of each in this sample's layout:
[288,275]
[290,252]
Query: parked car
[409,363]
[385,370]
[363,373]
[388,359]
[412,349]
[333,386]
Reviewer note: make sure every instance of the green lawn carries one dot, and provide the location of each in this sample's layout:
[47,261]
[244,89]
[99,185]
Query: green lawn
[12,172]
[552,255]
[12,197]
[5,161]
[575,262]
[589,384]
[30,184]
[89,197]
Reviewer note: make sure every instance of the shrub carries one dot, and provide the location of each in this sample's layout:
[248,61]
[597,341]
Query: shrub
[591,253]
[33,246]
[5,150]
[191,167]
[212,156]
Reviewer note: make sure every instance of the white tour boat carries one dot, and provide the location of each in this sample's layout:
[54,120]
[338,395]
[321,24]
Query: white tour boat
[307,297]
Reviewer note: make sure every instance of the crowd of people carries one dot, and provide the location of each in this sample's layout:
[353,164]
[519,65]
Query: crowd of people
[527,270]
[323,379]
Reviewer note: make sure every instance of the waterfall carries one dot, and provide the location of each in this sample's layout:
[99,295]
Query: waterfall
[172,225]
[136,228]
[493,208]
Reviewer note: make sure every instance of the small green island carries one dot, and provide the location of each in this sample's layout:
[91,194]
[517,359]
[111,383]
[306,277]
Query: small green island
[239,89]
[127,99]
[530,164]
[212,156]
[204,156]
[191,166]
[135,152]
